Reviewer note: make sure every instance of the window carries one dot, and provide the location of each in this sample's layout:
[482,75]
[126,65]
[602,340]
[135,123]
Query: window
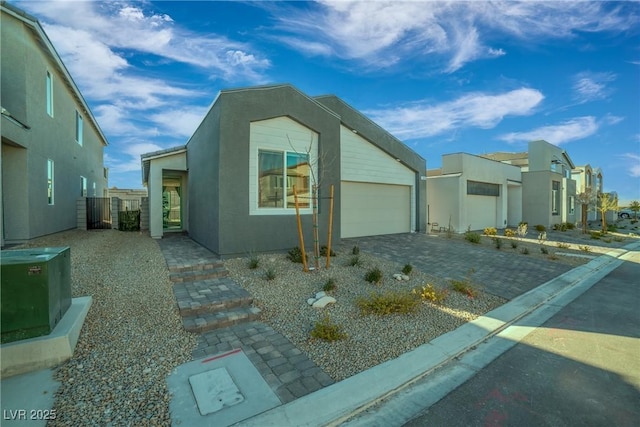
[555,197]
[83,186]
[78,128]
[572,205]
[275,181]
[49,90]
[93,190]
[483,188]
[50,181]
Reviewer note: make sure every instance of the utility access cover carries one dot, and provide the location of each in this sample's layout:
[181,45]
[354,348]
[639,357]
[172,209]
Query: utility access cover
[214,390]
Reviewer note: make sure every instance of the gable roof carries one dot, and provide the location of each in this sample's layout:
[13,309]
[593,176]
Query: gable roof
[47,48]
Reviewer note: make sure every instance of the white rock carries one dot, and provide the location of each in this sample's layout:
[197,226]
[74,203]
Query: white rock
[321,294]
[310,301]
[405,277]
[322,302]
[397,276]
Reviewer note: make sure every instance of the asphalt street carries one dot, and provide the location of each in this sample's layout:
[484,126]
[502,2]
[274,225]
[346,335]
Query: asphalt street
[580,368]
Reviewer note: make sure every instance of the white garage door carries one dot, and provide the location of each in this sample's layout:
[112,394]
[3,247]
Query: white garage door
[482,213]
[372,209]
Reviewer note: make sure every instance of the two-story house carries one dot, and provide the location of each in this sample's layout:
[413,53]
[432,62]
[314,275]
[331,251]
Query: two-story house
[52,146]
[548,190]
[588,181]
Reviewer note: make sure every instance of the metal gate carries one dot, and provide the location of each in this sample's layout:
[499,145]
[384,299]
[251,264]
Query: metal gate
[98,213]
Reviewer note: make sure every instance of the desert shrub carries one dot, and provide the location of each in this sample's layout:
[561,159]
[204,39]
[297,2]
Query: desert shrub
[562,245]
[431,294]
[329,285]
[514,244]
[295,255]
[326,330]
[524,251]
[595,235]
[540,228]
[400,302]
[585,248]
[472,237]
[253,262]
[612,227]
[355,250]
[373,276]
[509,232]
[354,261]
[570,225]
[497,242]
[522,229]
[323,251]
[618,239]
[490,231]
[407,269]
[270,274]
[544,250]
[464,287]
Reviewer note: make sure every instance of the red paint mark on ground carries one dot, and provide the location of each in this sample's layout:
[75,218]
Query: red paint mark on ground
[211,359]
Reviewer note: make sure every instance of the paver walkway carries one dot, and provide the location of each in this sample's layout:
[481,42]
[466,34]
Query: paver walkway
[287,370]
[504,273]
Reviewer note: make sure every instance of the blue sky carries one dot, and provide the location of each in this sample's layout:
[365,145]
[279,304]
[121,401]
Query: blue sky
[443,77]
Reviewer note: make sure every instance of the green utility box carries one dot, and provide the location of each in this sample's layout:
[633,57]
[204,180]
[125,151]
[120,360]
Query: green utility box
[36,291]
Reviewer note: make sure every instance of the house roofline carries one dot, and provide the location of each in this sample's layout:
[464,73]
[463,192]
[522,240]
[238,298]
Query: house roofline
[146,158]
[39,32]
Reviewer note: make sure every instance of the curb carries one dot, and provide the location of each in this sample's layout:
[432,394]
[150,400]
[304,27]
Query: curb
[345,399]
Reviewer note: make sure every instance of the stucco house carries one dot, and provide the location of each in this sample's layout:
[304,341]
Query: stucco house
[470,191]
[588,179]
[52,146]
[548,191]
[231,185]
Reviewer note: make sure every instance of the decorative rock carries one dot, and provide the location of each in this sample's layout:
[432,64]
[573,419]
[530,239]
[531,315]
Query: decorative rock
[404,277]
[397,276]
[310,301]
[324,301]
[321,294]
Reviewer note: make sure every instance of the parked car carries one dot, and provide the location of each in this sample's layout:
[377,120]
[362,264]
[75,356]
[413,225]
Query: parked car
[625,213]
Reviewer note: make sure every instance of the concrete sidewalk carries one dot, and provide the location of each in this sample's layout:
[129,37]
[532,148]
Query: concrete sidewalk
[341,401]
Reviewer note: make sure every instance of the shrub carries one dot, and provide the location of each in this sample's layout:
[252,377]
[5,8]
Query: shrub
[618,239]
[355,250]
[585,248]
[354,261]
[326,330]
[431,294]
[498,242]
[612,228]
[490,231]
[373,276]
[388,303]
[570,225]
[407,269]
[471,236]
[329,285]
[254,262]
[514,244]
[323,251]
[524,251]
[270,274]
[562,245]
[464,287]
[552,257]
[595,235]
[540,228]
[509,232]
[522,229]
[544,250]
[295,255]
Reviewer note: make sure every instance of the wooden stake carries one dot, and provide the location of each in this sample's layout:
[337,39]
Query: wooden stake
[300,236]
[330,226]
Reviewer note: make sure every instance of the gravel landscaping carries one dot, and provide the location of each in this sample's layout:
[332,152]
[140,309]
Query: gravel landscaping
[371,339]
[132,337]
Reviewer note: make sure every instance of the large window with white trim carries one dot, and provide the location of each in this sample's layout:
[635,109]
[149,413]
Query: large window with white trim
[278,173]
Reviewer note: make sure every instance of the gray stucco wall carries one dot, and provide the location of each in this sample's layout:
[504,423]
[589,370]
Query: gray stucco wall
[225,134]
[24,67]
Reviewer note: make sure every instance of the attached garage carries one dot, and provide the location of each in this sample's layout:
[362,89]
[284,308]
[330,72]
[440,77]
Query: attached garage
[371,209]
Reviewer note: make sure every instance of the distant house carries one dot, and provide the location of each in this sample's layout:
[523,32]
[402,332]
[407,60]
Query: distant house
[52,146]
[548,191]
[231,185]
[473,192]
[588,179]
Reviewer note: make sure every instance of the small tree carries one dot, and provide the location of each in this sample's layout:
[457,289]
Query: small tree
[586,200]
[607,202]
[635,207]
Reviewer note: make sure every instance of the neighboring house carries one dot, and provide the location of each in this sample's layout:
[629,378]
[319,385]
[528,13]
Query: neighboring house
[471,191]
[52,146]
[232,183]
[130,199]
[589,179]
[548,192]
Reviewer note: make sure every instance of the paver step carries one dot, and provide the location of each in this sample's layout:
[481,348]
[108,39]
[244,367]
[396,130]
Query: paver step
[221,319]
[206,265]
[193,275]
[209,296]
[203,307]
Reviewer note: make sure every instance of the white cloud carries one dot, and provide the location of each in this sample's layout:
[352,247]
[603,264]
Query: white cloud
[632,164]
[181,122]
[570,130]
[481,110]
[451,34]
[129,157]
[590,86]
